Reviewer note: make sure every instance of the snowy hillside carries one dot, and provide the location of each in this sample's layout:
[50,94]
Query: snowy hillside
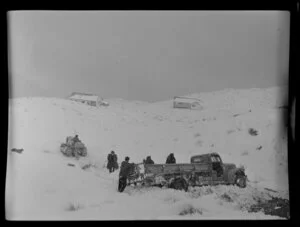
[41,184]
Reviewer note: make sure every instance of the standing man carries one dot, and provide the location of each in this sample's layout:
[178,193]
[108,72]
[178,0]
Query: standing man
[112,162]
[124,172]
[171,159]
[149,160]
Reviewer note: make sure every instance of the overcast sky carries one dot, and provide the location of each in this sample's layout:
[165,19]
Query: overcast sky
[145,55]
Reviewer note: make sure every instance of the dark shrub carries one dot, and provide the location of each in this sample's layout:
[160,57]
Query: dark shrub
[252,132]
[190,210]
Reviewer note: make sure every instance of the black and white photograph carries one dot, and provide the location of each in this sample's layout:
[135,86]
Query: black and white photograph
[148,115]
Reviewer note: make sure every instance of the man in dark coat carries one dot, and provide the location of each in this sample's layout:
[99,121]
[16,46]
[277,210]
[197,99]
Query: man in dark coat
[171,159]
[125,170]
[112,162]
[149,160]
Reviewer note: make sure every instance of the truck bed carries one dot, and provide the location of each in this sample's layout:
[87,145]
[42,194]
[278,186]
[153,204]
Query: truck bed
[176,168]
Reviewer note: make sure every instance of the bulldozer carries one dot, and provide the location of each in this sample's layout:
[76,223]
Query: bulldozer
[73,148]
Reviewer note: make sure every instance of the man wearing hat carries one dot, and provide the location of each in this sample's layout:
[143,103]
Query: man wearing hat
[149,160]
[125,169]
[112,162]
[171,159]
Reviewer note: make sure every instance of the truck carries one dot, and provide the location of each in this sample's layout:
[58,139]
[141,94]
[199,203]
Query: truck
[204,169]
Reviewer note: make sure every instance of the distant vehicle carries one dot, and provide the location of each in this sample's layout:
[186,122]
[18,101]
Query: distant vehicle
[206,169]
[72,148]
[186,103]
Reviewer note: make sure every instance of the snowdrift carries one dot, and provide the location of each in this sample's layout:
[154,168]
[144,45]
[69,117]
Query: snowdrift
[245,127]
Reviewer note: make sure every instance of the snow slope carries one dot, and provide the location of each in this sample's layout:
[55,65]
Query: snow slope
[41,184]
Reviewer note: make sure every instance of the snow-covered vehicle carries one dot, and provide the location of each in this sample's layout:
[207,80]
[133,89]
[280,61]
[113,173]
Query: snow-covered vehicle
[72,148]
[206,169]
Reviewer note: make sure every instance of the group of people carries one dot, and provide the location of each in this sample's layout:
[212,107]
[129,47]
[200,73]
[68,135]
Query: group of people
[126,167]
[112,161]
[170,159]
[148,160]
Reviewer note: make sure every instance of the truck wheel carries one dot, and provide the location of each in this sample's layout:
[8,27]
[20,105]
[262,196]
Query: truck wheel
[240,181]
[179,184]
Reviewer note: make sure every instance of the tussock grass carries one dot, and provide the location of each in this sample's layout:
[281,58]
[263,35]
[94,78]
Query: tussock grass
[74,206]
[253,132]
[190,210]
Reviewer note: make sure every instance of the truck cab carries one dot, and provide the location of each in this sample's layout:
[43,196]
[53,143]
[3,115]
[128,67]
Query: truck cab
[214,160]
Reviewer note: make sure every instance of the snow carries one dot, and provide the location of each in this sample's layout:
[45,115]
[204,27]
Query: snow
[42,186]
